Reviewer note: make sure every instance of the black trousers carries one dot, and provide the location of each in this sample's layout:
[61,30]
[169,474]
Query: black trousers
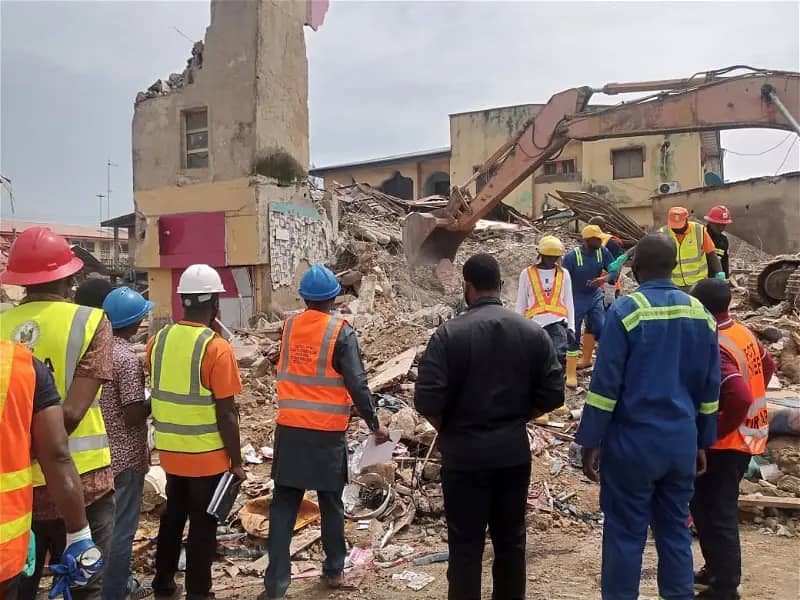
[473,500]
[282,516]
[187,497]
[51,537]
[715,511]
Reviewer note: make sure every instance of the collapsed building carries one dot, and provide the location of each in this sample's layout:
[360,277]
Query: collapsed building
[220,153]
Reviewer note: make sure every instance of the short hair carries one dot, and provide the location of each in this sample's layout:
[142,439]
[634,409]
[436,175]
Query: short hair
[598,220]
[92,292]
[483,272]
[714,294]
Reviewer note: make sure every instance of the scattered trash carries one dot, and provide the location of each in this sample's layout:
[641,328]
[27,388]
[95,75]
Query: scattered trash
[155,486]
[414,581]
[429,559]
[250,456]
[255,516]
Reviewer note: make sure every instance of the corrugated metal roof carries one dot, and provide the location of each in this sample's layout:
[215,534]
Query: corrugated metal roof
[7,226]
[384,160]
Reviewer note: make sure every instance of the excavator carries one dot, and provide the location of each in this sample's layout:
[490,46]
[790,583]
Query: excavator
[710,100]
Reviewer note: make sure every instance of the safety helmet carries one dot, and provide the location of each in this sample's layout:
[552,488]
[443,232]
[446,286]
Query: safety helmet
[719,214]
[319,284]
[39,256]
[550,245]
[200,279]
[125,306]
[591,231]
[677,217]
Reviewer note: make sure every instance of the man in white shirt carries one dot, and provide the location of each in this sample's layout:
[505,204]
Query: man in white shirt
[545,295]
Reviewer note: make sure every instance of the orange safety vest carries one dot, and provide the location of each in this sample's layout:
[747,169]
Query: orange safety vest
[544,303]
[311,394]
[751,435]
[17,384]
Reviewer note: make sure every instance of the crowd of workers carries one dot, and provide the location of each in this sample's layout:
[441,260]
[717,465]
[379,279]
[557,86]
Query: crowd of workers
[73,390]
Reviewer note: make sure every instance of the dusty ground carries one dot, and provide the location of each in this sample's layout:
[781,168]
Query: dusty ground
[566,566]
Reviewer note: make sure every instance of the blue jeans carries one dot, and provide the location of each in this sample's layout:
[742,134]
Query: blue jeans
[128,492]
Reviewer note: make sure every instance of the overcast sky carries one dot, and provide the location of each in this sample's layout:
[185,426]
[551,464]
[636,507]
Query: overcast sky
[383,77]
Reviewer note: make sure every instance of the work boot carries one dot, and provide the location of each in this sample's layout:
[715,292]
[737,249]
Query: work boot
[333,581]
[702,579]
[572,371]
[588,349]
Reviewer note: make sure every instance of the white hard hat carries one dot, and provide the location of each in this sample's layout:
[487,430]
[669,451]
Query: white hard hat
[200,279]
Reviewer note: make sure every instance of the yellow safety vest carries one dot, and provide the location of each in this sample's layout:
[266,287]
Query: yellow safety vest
[184,415]
[58,334]
[692,265]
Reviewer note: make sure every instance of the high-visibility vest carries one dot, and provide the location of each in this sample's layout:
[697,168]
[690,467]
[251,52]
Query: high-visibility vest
[543,302]
[579,256]
[311,394]
[692,265]
[184,415]
[17,384]
[751,435]
[58,334]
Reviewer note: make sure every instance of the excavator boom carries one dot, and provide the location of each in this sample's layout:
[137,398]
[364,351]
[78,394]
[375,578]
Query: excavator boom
[765,99]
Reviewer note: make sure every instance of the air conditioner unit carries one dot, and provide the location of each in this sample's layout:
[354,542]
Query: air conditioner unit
[668,187]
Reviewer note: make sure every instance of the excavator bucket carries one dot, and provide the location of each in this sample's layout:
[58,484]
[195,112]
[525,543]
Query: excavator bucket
[427,241]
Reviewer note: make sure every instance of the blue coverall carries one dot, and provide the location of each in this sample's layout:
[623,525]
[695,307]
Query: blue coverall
[652,402]
[588,301]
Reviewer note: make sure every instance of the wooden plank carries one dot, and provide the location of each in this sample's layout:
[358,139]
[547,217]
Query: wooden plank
[305,539]
[393,370]
[769,502]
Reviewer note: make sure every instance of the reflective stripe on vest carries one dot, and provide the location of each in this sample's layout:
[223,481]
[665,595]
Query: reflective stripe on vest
[544,303]
[184,415]
[17,384]
[41,327]
[692,266]
[751,435]
[579,256]
[311,394]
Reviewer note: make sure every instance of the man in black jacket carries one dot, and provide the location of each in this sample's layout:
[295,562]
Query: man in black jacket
[484,375]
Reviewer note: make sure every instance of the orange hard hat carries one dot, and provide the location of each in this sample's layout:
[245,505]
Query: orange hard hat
[39,256]
[719,214]
[677,217]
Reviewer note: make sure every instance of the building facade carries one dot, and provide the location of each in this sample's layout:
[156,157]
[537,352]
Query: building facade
[628,170]
[219,158]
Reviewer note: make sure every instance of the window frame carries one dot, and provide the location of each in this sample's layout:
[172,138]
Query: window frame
[628,149]
[187,152]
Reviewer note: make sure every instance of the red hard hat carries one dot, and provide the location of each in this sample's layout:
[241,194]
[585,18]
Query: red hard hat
[719,214]
[39,256]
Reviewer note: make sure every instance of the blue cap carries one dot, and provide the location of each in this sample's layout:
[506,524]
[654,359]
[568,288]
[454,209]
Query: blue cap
[125,307]
[319,284]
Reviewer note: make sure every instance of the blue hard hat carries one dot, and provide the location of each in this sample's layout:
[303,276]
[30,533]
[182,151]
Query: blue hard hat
[318,284]
[125,306]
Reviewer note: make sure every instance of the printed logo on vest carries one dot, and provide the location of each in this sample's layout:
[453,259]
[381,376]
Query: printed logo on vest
[26,334]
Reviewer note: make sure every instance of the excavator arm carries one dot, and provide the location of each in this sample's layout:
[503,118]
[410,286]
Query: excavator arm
[765,99]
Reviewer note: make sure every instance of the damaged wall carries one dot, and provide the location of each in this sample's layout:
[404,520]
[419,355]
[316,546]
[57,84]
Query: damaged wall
[765,210]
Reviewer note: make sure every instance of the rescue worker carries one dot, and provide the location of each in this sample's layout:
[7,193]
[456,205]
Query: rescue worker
[650,412]
[742,430]
[194,379]
[696,257]
[614,245]
[31,417]
[544,296]
[74,342]
[586,265]
[320,375]
[718,218]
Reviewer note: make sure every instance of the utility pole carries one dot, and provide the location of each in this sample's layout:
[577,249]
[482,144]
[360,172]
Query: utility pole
[100,201]
[109,164]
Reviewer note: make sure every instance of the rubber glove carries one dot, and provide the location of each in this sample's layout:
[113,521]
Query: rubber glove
[616,265]
[81,560]
[721,277]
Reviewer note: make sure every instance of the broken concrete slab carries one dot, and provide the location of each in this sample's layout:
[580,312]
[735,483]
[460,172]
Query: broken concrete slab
[393,370]
[366,294]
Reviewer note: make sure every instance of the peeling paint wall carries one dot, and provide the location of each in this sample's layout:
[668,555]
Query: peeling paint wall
[765,210]
[418,171]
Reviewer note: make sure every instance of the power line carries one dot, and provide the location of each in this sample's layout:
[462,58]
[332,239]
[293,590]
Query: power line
[183,34]
[778,145]
[785,158]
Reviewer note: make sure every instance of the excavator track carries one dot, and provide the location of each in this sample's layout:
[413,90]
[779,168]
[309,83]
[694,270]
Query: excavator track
[793,289]
[769,282]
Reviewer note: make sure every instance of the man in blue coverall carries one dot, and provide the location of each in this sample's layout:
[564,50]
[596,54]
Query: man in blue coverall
[586,264]
[650,412]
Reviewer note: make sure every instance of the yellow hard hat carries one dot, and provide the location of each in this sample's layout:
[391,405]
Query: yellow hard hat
[591,231]
[550,245]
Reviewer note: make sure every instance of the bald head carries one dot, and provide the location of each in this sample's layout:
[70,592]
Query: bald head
[599,221]
[655,257]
